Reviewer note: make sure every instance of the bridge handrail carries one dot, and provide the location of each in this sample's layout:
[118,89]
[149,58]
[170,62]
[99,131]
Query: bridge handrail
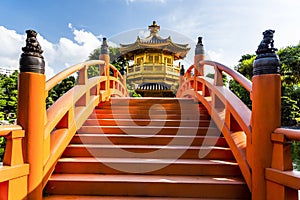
[291,134]
[246,83]
[281,171]
[70,111]
[69,71]
[234,121]
[14,170]
[7,129]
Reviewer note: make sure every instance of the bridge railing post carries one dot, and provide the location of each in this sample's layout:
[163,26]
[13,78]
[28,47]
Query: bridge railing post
[123,73]
[104,69]
[266,103]
[199,69]
[199,56]
[32,111]
[182,71]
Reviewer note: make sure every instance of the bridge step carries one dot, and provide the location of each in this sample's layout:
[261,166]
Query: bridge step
[146,185]
[150,130]
[174,102]
[138,115]
[172,151]
[77,197]
[191,167]
[144,151]
[102,138]
[147,122]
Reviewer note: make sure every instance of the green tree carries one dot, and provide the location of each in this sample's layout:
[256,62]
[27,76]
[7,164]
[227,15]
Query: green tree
[116,59]
[295,149]
[8,96]
[289,111]
[2,147]
[290,60]
[60,89]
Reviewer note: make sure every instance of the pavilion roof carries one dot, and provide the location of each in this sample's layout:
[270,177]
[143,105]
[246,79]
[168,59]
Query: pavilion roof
[155,43]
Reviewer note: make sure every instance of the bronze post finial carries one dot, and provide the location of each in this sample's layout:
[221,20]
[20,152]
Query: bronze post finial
[267,61]
[31,59]
[32,47]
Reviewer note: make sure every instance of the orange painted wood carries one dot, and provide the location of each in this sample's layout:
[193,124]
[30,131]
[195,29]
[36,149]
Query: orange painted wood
[79,197]
[145,185]
[265,119]
[234,74]
[31,116]
[288,178]
[77,160]
[291,134]
[88,138]
[69,71]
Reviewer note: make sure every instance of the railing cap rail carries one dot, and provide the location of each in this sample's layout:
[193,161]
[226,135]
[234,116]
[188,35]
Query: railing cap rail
[247,84]
[69,71]
[291,134]
[7,129]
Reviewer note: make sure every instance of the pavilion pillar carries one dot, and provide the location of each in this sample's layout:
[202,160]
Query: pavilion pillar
[31,111]
[266,104]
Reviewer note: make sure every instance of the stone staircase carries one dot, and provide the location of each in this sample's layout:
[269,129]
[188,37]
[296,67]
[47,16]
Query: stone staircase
[147,148]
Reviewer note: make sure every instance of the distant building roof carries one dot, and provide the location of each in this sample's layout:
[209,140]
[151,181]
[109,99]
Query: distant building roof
[155,42]
[7,71]
[153,86]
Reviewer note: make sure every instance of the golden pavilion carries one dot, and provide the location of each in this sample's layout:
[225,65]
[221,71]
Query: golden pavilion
[153,72]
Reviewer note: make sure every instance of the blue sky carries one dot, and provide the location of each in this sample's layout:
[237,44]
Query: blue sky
[70,29]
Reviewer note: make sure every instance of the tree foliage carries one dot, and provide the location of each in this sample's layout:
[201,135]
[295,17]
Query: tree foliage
[60,89]
[290,60]
[8,96]
[116,59]
[2,147]
[295,149]
[289,111]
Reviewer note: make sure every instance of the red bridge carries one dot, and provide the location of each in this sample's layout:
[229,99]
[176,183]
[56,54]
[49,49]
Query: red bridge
[95,142]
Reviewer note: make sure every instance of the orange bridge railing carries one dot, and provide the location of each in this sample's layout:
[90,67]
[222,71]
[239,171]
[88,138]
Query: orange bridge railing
[37,142]
[230,114]
[253,136]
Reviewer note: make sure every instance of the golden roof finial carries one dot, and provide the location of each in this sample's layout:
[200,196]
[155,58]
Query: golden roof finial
[154,28]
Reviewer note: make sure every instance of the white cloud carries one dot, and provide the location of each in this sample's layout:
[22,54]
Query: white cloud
[58,56]
[10,48]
